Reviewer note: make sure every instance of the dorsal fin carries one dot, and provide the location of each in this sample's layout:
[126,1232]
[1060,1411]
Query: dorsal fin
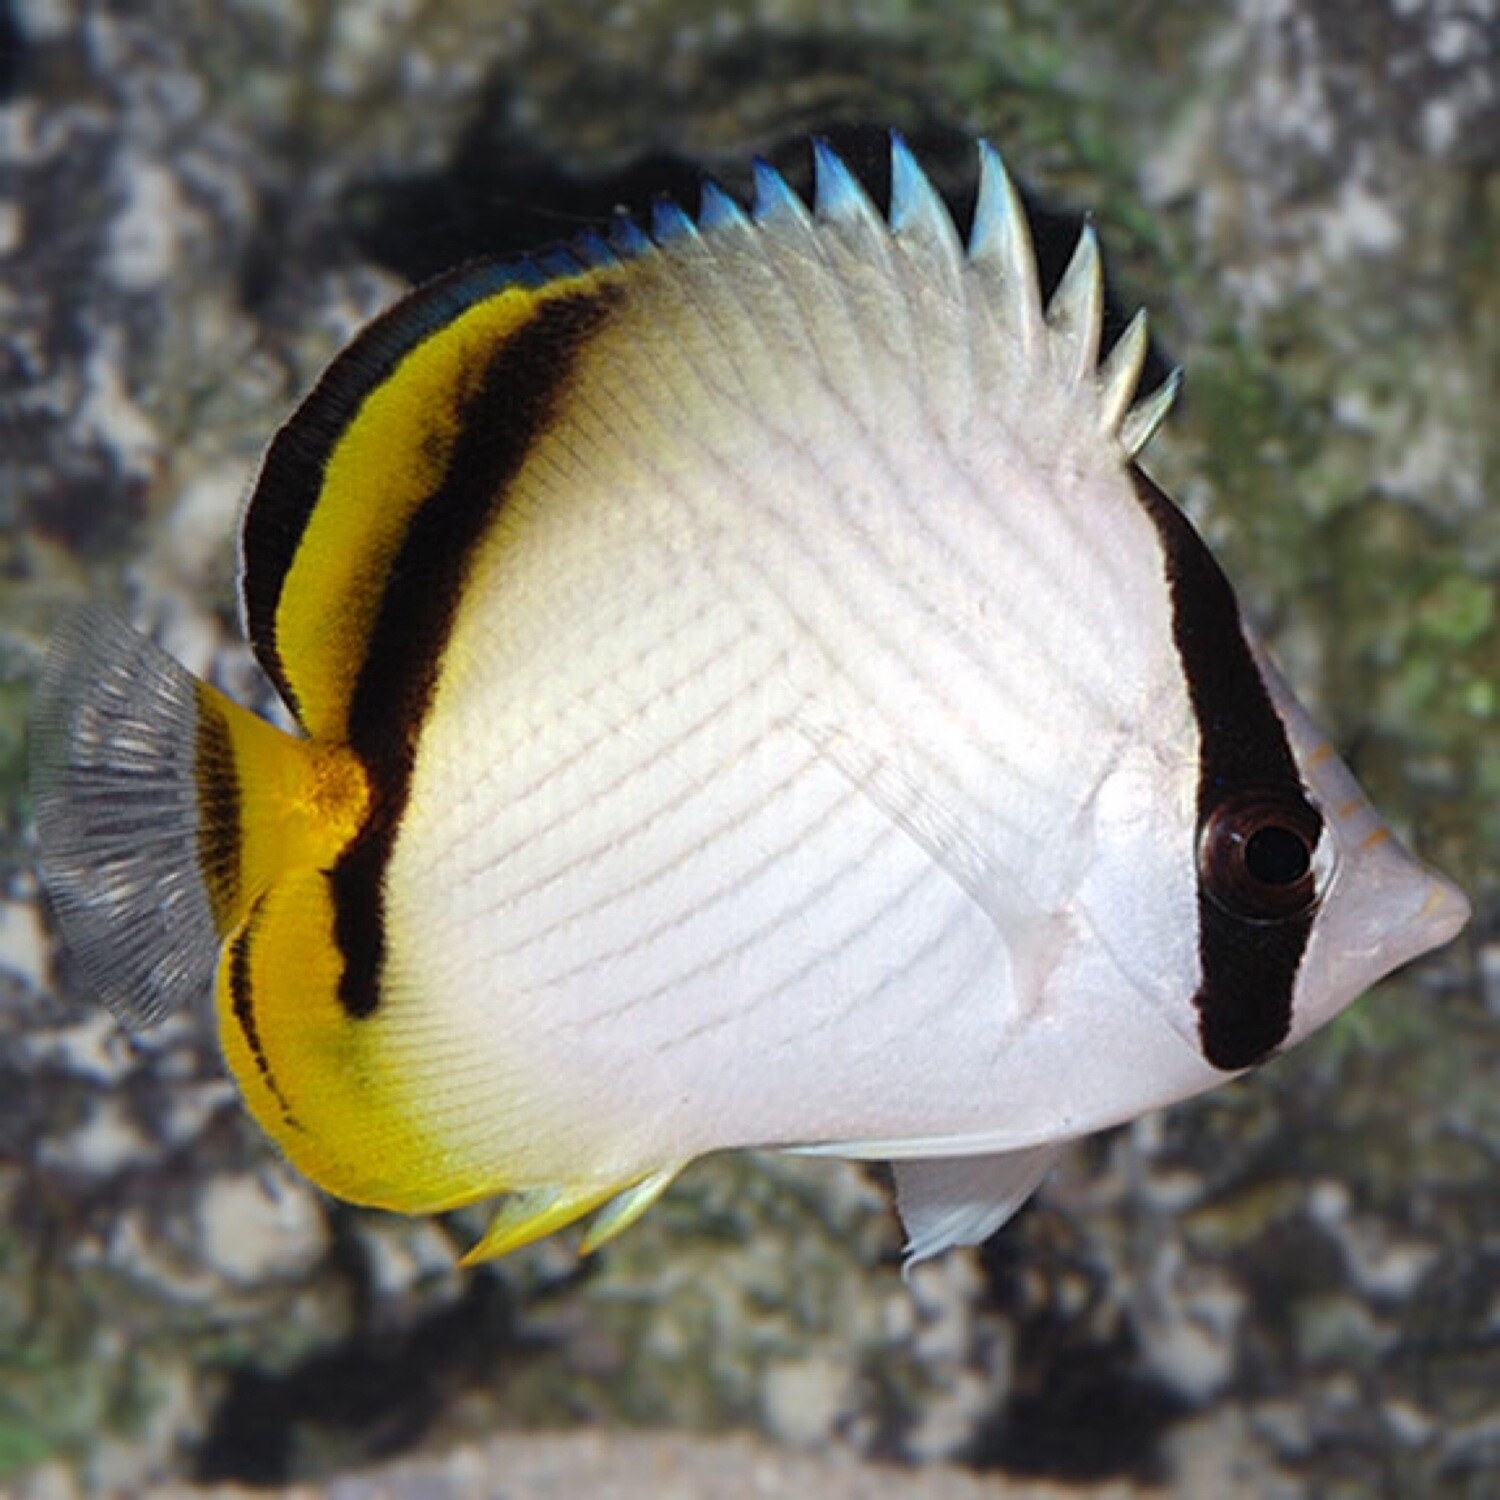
[409,428]
[368,450]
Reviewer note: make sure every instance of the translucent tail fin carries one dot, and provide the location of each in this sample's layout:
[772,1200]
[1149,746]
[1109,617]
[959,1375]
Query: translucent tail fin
[163,810]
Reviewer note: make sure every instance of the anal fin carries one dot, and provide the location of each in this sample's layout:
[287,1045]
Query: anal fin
[625,1208]
[536,1212]
[962,1200]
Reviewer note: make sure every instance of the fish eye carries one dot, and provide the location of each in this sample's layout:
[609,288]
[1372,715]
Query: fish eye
[1256,855]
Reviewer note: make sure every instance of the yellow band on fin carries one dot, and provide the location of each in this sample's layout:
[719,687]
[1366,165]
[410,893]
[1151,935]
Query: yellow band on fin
[533,1214]
[390,459]
[622,1211]
[530,1215]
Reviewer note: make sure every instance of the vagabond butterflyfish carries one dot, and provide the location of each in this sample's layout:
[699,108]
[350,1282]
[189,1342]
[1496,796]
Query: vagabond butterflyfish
[748,696]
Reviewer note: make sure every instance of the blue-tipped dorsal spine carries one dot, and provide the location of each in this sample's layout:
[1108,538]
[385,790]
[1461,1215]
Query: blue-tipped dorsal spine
[999,258]
[669,222]
[558,264]
[593,251]
[837,194]
[922,226]
[774,198]
[916,209]
[627,238]
[717,210]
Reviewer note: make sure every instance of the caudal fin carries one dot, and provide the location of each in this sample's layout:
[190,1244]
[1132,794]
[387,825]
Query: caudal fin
[163,810]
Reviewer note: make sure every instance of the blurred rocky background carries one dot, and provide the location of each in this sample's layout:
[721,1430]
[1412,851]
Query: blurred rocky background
[1290,1288]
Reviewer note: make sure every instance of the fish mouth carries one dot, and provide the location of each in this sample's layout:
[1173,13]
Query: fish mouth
[1393,910]
[1433,912]
[1444,913]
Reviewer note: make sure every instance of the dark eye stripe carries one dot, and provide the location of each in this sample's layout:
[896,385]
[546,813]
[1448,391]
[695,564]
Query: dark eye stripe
[1248,969]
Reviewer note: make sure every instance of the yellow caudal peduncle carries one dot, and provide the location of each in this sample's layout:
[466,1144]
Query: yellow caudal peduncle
[268,802]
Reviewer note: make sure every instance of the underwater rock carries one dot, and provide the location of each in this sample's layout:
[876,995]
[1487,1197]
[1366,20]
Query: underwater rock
[1292,1280]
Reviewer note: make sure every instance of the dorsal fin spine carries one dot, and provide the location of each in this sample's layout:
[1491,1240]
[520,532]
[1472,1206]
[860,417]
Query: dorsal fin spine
[916,209]
[921,222]
[838,197]
[774,199]
[718,211]
[1120,373]
[1142,420]
[1000,250]
[627,239]
[670,222]
[1075,315]
[593,251]
[561,263]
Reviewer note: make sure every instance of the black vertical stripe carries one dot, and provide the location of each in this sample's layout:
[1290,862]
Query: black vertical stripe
[242,1007]
[1248,968]
[513,406]
[290,483]
[218,787]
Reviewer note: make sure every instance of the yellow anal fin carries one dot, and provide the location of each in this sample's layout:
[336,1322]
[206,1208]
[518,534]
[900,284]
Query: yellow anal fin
[625,1208]
[537,1212]
[534,1214]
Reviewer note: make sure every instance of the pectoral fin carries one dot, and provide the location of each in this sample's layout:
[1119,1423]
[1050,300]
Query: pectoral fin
[963,1200]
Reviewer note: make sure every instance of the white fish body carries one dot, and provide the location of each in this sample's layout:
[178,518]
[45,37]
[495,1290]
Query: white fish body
[826,739]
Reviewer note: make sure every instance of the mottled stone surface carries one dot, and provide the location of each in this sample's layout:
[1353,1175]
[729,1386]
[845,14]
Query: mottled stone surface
[1289,1286]
[661,1466]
